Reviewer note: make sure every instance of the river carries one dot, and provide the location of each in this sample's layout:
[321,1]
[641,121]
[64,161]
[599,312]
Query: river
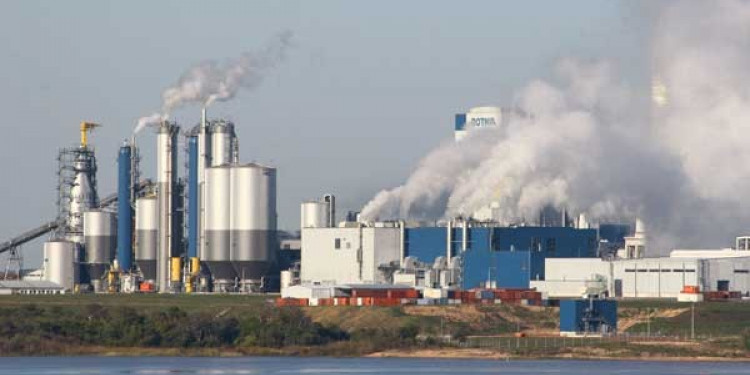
[343,366]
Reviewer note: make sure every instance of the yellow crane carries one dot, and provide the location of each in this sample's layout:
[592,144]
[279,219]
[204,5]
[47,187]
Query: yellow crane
[86,127]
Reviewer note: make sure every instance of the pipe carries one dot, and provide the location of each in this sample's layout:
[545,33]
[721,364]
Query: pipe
[193,191]
[124,209]
[331,200]
[449,239]
[465,236]
[402,247]
[204,152]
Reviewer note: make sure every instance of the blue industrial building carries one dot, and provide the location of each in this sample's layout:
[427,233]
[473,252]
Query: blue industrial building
[508,256]
[588,316]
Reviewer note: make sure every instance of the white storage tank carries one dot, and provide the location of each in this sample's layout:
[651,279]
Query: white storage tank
[253,221]
[222,142]
[218,202]
[146,236]
[314,214]
[60,263]
[100,246]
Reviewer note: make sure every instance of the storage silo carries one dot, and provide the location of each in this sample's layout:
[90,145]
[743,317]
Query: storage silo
[146,236]
[253,222]
[218,202]
[100,245]
[61,263]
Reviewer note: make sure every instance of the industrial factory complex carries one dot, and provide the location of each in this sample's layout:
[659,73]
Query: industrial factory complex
[212,229]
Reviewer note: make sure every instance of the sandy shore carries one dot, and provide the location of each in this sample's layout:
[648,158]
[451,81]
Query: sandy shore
[499,355]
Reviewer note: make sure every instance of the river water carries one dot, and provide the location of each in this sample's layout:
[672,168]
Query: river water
[339,366]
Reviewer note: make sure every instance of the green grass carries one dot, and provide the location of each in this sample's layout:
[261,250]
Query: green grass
[146,302]
[711,318]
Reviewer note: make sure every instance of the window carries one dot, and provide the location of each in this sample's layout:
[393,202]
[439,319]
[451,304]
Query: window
[689,270]
[653,270]
[536,244]
[643,270]
[630,270]
[337,243]
[741,271]
[551,246]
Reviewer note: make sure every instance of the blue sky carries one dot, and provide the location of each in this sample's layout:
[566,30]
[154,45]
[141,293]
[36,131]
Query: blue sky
[368,89]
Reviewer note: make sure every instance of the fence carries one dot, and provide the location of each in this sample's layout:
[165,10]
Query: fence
[534,342]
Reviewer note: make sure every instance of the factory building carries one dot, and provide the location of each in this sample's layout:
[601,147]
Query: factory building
[661,277]
[461,254]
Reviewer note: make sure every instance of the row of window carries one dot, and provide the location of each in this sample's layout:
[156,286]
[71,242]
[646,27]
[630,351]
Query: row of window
[658,270]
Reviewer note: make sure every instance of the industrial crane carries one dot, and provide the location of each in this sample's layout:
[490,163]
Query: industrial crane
[87,127]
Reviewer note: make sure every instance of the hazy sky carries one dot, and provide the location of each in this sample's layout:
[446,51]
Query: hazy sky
[368,89]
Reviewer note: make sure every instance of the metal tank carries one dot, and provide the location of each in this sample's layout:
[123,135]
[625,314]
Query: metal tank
[166,179]
[100,246]
[146,236]
[314,214]
[222,142]
[217,253]
[61,263]
[253,222]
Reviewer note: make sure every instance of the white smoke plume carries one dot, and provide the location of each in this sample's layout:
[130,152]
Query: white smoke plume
[591,145]
[211,81]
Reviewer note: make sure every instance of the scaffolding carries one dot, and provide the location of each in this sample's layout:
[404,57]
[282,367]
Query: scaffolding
[76,189]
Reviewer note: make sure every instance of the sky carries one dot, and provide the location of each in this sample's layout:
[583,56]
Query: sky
[366,91]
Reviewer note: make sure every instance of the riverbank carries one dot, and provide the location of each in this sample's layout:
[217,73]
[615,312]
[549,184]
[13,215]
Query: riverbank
[231,326]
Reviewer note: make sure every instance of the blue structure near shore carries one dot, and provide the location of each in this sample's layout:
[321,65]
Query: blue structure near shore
[588,316]
[509,256]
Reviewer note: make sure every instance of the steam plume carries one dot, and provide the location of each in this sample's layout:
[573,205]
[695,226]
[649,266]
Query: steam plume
[211,81]
[592,145]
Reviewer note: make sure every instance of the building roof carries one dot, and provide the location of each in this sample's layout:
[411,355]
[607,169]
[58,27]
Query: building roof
[28,284]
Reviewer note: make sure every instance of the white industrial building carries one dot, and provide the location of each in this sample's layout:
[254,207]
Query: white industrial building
[348,255]
[664,277]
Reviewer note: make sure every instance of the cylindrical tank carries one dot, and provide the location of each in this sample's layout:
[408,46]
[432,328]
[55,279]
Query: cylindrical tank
[253,220]
[218,198]
[146,236]
[222,134]
[176,273]
[166,179]
[124,209]
[100,245]
[61,263]
[314,214]
[286,280]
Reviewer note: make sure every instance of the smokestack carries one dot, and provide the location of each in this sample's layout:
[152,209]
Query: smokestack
[124,208]
[166,180]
